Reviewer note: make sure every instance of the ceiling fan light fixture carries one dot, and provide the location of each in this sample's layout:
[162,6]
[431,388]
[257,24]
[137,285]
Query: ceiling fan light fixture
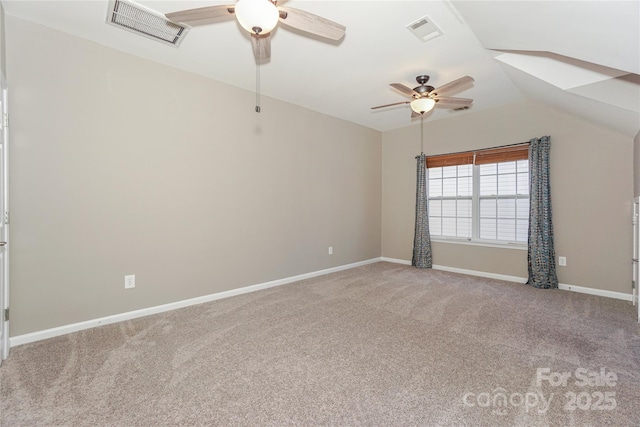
[422,105]
[257,16]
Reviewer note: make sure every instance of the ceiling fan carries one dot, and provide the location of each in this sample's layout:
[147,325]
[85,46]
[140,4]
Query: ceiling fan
[259,18]
[426,97]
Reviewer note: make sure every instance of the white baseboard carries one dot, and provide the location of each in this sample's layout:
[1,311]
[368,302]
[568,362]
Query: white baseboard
[517,279]
[75,327]
[598,292]
[504,277]
[395,260]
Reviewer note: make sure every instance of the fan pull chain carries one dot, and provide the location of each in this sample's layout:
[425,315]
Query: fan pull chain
[257,87]
[421,134]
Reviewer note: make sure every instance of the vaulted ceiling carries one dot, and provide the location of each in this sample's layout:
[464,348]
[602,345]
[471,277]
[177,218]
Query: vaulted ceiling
[582,57]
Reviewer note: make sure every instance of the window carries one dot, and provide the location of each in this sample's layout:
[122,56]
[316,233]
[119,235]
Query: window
[480,196]
[504,201]
[451,201]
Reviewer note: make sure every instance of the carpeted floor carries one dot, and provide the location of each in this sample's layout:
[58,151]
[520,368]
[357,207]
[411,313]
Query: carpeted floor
[383,344]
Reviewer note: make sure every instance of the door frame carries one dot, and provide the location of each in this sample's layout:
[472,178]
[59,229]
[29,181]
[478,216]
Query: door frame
[4,219]
[636,253]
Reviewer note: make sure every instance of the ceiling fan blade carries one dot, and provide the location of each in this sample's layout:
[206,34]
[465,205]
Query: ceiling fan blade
[310,23]
[458,102]
[454,85]
[261,46]
[404,89]
[201,15]
[389,105]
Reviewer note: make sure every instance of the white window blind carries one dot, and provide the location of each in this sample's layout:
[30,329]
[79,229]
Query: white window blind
[504,201]
[450,201]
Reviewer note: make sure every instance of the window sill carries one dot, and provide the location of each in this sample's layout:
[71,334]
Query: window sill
[506,245]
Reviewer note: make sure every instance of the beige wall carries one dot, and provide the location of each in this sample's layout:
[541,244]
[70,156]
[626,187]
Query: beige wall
[592,189]
[123,166]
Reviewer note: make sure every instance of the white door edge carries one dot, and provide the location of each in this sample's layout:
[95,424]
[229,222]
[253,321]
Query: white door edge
[4,223]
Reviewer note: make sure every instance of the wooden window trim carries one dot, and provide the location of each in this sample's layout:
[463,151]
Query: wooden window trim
[508,153]
[454,159]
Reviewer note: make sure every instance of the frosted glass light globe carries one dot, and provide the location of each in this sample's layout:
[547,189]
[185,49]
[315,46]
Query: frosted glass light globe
[422,105]
[257,16]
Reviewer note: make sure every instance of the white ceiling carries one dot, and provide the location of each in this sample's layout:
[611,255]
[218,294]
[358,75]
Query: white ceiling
[581,57]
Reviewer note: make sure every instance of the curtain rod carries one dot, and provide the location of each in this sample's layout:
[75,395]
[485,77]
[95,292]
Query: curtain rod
[482,149]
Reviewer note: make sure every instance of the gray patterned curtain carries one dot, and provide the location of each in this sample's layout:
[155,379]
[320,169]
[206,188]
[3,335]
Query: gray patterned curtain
[542,255]
[422,238]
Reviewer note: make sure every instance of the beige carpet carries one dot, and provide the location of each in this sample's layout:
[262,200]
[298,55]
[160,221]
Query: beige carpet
[383,344]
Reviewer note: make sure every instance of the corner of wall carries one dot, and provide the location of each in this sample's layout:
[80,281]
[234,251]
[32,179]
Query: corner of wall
[2,42]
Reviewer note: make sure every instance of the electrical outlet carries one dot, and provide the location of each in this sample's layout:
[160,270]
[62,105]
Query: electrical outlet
[330,250]
[130,281]
[562,261]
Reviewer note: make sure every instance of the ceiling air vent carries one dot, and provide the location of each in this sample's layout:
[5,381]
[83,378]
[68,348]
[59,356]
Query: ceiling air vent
[148,23]
[424,29]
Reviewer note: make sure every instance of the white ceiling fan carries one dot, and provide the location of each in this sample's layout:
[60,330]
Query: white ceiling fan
[426,97]
[259,18]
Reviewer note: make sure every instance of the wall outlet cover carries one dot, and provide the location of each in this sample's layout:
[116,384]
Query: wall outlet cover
[130,281]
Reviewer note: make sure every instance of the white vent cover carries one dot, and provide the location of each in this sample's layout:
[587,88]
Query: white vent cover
[424,29]
[148,23]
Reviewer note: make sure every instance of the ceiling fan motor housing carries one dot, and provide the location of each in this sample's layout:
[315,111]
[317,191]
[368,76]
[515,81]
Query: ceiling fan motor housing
[423,90]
